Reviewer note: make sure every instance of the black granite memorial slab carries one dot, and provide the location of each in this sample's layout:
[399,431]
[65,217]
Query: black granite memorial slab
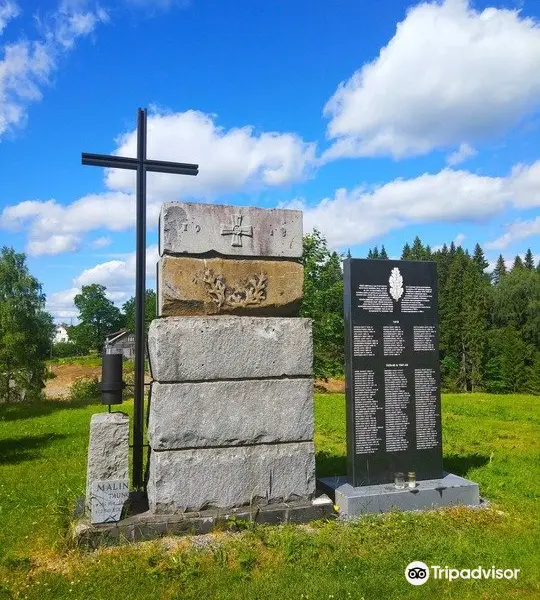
[392,370]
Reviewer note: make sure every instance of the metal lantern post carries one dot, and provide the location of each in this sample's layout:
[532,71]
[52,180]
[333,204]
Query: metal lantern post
[142,165]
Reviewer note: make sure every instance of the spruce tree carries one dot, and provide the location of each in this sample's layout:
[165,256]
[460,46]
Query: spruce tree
[529,260]
[375,252]
[370,253]
[383,255]
[518,263]
[499,270]
[475,325]
[451,316]
[418,252]
[479,258]
[406,252]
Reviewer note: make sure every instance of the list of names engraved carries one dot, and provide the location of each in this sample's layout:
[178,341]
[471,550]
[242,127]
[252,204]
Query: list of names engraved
[393,340]
[392,366]
[396,400]
[417,299]
[374,299]
[364,340]
[367,440]
[424,338]
[425,392]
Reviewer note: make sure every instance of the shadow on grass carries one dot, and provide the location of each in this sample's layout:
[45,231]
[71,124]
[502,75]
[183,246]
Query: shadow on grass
[461,464]
[20,449]
[28,410]
[328,465]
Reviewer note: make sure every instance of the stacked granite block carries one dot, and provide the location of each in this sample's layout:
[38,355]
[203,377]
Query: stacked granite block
[231,413]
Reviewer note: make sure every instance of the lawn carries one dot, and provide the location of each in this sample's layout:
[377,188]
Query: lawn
[494,440]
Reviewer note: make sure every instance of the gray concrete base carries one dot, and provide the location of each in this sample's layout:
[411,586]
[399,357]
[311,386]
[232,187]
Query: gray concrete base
[147,525]
[429,494]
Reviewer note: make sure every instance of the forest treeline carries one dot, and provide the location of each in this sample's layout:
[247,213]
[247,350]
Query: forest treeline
[489,322]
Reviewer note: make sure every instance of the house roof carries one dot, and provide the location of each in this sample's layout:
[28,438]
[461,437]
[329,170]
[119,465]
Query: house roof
[113,337]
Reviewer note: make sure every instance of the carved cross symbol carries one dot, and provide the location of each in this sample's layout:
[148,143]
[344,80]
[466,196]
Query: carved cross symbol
[236,230]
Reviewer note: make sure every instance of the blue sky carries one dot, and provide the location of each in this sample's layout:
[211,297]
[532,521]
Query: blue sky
[381,120]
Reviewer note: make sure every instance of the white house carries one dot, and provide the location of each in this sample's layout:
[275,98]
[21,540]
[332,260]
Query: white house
[61,334]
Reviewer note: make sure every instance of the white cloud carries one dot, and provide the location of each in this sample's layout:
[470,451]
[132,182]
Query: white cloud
[8,10]
[60,304]
[359,215]
[118,276]
[464,152]
[46,220]
[55,244]
[451,75]
[519,230]
[102,242]
[229,160]
[460,238]
[27,65]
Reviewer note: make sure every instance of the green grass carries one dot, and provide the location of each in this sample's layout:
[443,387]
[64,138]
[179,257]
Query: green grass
[494,440]
[92,360]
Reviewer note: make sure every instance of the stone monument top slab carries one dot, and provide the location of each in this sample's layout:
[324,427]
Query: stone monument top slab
[195,228]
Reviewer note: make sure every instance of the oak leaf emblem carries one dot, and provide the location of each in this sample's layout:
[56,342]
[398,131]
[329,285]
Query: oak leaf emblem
[396,284]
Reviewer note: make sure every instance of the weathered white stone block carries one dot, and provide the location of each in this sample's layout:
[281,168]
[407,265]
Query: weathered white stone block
[228,347]
[195,228]
[190,480]
[229,413]
[108,450]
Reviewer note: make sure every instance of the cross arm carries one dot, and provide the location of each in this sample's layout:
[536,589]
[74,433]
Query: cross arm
[163,166]
[106,160]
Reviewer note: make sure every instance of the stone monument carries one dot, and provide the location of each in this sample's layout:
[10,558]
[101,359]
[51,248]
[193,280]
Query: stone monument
[393,392]
[107,481]
[231,410]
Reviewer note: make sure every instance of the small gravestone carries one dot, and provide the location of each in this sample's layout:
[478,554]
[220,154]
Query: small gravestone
[108,499]
[107,479]
[393,392]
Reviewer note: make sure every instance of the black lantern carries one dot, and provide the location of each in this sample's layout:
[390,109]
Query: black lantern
[111,377]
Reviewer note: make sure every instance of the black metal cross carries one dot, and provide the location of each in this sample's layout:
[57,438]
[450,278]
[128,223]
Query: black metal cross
[142,165]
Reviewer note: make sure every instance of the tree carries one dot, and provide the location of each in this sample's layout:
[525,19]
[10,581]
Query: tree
[97,314]
[323,302]
[149,311]
[479,259]
[82,335]
[383,255]
[26,330]
[451,314]
[518,263]
[529,260]
[475,323]
[406,252]
[418,252]
[499,271]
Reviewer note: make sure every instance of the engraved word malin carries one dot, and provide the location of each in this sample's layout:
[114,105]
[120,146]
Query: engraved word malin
[237,230]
